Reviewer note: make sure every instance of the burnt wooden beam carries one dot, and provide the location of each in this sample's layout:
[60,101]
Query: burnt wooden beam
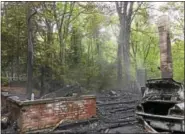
[116,125]
[76,123]
[119,102]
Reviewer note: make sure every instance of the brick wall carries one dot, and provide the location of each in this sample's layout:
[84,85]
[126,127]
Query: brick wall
[41,114]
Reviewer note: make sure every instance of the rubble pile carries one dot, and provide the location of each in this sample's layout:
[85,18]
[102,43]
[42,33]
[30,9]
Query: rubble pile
[115,112]
[115,109]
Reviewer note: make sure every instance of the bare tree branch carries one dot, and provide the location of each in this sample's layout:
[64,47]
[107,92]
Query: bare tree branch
[135,12]
[62,20]
[32,15]
[118,8]
[68,20]
[130,11]
[146,52]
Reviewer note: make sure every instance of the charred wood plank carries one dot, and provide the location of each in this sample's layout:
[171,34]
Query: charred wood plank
[116,125]
[125,107]
[121,120]
[123,110]
[80,122]
[119,102]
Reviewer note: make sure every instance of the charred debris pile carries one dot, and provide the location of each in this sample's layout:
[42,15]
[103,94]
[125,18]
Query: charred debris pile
[114,109]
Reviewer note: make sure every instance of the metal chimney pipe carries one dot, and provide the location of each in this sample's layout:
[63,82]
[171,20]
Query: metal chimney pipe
[166,66]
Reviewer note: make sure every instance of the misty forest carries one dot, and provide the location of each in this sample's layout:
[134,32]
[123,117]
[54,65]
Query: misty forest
[96,45]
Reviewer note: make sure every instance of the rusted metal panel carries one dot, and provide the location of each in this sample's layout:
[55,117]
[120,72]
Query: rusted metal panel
[148,128]
[180,106]
[167,125]
[160,116]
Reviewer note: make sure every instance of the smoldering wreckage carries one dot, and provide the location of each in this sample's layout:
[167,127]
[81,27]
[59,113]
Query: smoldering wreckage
[160,109]
[162,106]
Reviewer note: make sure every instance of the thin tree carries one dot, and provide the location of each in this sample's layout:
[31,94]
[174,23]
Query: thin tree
[30,14]
[62,22]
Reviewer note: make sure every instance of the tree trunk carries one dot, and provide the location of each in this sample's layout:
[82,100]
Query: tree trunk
[30,54]
[124,10]
[119,66]
[60,25]
[88,64]
[62,51]
[12,69]
[42,81]
[18,43]
[126,54]
[60,42]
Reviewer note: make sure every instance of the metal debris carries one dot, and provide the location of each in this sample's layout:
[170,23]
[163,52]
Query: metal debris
[162,106]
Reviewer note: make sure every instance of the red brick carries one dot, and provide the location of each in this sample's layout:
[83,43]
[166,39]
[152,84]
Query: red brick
[47,115]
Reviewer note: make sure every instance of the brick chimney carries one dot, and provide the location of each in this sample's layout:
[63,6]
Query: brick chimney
[165,47]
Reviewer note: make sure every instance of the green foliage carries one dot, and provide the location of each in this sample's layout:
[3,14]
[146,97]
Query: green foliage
[90,52]
[178,60]
[145,47]
[4,81]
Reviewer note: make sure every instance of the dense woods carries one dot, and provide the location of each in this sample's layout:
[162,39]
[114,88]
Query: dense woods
[97,45]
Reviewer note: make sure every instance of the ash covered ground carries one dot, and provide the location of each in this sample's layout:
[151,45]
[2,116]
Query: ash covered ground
[115,111]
